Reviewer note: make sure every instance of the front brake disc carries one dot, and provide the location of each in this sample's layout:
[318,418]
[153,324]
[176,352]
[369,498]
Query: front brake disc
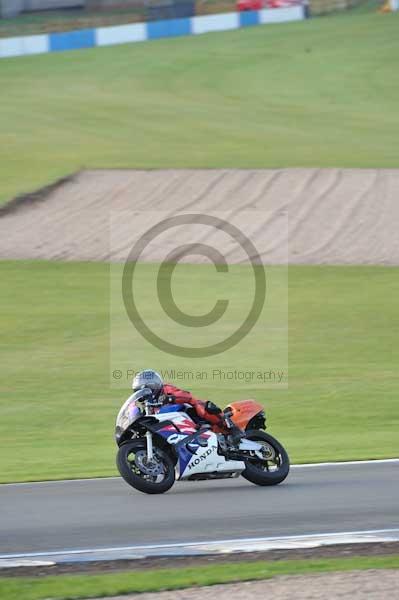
[152,467]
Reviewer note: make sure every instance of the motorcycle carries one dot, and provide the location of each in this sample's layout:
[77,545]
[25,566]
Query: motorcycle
[158,445]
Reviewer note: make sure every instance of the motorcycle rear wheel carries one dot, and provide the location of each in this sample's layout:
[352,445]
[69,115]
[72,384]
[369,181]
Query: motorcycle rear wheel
[258,471]
[130,461]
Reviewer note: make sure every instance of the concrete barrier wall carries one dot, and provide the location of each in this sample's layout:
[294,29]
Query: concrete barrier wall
[140,32]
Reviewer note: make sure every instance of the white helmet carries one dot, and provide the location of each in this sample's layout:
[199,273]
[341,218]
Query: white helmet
[148,379]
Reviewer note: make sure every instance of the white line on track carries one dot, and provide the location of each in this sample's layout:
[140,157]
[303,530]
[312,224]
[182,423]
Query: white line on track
[209,547]
[299,466]
[347,462]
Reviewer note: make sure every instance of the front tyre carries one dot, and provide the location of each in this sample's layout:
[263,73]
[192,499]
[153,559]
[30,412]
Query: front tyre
[273,468]
[155,477]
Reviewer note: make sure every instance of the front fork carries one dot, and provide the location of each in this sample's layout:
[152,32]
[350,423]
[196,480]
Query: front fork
[150,453]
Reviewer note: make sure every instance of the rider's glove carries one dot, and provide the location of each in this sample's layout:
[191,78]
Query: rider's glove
[167,398]
[211,408]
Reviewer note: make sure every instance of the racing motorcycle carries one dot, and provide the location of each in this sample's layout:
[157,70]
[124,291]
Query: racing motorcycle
[161,444]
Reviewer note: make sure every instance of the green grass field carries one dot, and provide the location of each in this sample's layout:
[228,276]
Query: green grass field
[57,410]
[88,586]
[317,93]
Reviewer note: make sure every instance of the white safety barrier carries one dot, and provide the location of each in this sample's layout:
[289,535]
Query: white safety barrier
[140,32]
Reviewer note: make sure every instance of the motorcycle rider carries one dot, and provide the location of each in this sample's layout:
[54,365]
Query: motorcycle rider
[166,393]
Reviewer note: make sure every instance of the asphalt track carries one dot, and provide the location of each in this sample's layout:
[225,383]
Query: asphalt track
[41,517]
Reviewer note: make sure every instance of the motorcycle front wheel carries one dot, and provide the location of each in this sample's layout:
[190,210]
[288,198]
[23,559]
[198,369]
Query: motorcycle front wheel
[271,470]
[150,477]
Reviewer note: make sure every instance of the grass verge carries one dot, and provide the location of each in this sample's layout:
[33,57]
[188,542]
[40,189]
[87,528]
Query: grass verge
[89,586]
[318,93]
[341,402]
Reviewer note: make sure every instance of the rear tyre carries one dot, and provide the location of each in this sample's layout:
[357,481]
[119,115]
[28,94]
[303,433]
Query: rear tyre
[271,470]
[156,477]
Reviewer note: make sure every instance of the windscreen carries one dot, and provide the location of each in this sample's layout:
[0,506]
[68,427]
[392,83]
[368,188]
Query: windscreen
[128,413]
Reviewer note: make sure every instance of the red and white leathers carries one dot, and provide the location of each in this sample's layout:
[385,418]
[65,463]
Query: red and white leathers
[183,397]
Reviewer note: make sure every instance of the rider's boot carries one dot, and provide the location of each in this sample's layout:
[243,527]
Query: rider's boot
[233,434]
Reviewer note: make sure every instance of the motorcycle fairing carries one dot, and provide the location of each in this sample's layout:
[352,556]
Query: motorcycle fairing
[243,411]
[171,408]
[207,460]
[180,420]
[196,450]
